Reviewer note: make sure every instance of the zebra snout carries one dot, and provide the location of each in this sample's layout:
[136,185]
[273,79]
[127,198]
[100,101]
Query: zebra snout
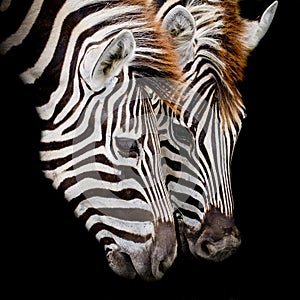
[218,250]
[219,237]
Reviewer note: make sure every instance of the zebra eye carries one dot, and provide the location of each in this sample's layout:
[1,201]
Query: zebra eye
[182,135]
[128,147]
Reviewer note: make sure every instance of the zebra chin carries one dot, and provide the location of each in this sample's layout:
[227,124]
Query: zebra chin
[217,239]
[150,260]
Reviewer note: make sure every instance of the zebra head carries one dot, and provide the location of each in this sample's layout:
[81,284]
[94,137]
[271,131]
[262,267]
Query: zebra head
[213,43]
[121,195]
[91,66]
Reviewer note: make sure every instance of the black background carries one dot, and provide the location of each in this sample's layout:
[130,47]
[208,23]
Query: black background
[46,252]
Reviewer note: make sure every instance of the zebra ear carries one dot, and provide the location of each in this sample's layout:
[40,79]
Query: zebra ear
[180,26]
[255,30]
[110,63]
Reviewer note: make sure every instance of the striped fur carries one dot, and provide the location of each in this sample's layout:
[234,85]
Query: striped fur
[91,65]
[213,43]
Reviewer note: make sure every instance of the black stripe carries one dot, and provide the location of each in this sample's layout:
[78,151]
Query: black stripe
[122,234]
[189,214]
[34,43]
[126,214]
[12,18]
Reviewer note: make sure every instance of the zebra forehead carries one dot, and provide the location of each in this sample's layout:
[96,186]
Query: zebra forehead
[163,53]
[222,32]
[155,57]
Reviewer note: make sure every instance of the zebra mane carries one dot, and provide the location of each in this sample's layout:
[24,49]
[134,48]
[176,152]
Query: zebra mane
[161,57]
[219,36]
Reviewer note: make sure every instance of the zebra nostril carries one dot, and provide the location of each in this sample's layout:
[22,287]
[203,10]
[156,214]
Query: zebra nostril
[236,233]
[228,231]
[159,269]
[163,266]
[204,247]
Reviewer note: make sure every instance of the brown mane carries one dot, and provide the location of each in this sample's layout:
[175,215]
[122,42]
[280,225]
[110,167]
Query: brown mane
[165,61]
[234,55]
[231,54]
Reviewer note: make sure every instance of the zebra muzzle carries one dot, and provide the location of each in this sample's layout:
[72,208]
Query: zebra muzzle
[219,237]
[164,249]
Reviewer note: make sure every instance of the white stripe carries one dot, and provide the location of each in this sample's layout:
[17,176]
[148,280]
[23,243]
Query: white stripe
[18,37]
[189,192]
[165,7]
[91,183]
[98,203]
[186,206]
[61,174]
[139,228]
[4,5]
[36,71]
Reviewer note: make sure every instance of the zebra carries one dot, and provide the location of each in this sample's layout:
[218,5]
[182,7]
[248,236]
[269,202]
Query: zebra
[213,43]
[90,67]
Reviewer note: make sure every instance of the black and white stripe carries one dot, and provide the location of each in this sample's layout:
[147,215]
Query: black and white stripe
[213,43]
[85,62]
